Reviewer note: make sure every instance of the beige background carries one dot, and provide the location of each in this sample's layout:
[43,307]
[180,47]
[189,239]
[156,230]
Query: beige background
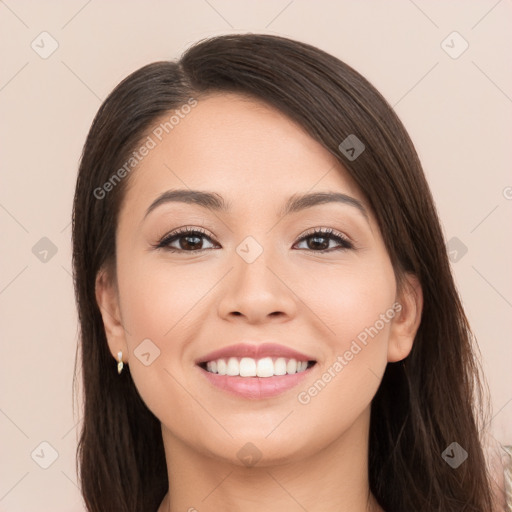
[457,110]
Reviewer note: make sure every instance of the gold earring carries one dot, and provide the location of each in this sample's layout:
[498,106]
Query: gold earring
[120,363]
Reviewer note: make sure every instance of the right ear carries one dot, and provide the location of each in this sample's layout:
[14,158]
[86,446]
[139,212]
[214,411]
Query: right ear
[108,301]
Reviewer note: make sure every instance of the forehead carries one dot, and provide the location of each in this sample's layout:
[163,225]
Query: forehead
[240,147]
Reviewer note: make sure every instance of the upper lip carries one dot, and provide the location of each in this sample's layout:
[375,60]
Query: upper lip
[256,351]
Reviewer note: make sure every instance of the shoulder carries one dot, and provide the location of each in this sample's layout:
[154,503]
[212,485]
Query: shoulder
[499,460]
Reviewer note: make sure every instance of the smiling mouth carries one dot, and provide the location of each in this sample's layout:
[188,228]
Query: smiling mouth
[249,367]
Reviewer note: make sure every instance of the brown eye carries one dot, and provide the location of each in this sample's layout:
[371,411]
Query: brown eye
[188,240]
[320,241]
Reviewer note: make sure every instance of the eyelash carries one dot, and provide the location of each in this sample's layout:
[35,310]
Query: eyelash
[322,232]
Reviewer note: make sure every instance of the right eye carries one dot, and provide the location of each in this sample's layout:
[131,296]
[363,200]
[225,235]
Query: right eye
[188,240]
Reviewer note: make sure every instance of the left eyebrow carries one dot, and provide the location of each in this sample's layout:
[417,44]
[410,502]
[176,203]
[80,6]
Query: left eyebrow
[300,202]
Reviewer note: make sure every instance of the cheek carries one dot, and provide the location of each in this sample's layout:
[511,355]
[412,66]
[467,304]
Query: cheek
[358,306]
[351,300]
[158,302]
[159,308]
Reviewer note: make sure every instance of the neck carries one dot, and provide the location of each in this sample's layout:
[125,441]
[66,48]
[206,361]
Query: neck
[334,478]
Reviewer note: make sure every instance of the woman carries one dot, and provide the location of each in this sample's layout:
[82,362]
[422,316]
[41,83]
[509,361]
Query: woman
[258,253]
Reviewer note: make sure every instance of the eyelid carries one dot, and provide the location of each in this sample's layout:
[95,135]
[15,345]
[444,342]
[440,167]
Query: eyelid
[324,230]
[187,229]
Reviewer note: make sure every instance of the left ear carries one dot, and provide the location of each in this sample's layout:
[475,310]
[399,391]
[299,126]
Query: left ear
[405,323]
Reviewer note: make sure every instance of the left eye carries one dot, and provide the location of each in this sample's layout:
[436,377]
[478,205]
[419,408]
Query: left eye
[319,241]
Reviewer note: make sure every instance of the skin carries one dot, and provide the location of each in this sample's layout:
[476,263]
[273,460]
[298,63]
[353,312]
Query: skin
[314,455]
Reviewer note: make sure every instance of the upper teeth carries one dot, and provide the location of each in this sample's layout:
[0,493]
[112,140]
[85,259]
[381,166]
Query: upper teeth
[249,367]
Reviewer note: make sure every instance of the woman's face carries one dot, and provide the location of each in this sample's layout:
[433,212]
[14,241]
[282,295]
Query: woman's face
[255,274]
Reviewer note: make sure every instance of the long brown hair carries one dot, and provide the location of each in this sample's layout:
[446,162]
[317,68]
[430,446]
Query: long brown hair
[424,403]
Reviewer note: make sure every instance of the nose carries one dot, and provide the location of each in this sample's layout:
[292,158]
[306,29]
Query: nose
[258,292]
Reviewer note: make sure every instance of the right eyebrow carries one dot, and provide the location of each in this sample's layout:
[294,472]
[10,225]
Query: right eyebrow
[209,200]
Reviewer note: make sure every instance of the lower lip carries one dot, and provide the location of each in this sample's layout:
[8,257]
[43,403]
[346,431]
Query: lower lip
[256,387]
